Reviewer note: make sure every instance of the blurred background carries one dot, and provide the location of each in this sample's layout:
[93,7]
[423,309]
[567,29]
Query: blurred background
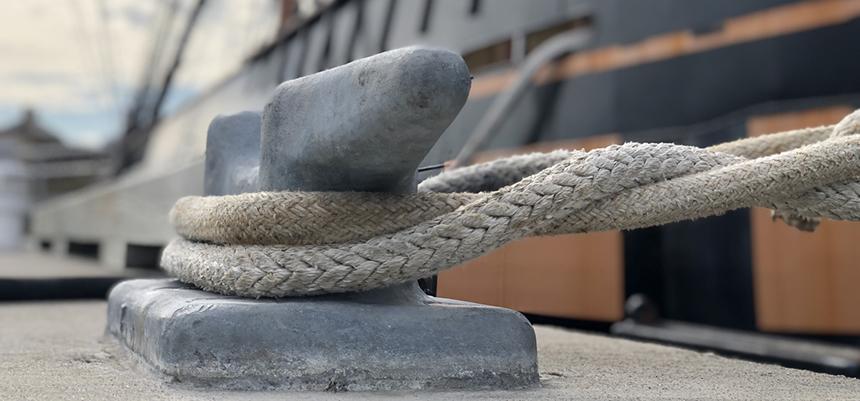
[105,104]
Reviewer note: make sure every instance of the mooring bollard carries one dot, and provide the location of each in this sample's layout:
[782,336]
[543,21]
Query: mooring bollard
[364,126]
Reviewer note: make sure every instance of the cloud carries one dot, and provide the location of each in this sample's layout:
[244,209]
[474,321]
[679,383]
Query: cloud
[226,35]
[85,57]
[136,14]
[51,58]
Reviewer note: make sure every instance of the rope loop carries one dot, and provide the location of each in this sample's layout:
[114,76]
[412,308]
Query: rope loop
[306,243]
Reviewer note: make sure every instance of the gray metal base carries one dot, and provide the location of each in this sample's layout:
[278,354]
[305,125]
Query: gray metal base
[380,340]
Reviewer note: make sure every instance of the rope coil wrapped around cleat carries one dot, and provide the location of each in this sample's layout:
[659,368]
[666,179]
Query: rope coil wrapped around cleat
[305,243]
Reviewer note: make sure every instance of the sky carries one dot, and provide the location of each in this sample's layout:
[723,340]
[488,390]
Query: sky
[78,62]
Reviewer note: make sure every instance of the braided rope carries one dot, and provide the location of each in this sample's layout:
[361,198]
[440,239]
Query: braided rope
[323,243]
[295,218]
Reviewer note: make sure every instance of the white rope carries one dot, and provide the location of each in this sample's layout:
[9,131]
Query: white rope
[287,244]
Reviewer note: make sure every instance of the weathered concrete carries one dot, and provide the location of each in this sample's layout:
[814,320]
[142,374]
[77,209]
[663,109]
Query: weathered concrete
[233,154]
[53,351]
[361,127]
[379,341]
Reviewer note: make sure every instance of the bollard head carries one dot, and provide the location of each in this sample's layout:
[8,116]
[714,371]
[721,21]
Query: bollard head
[363,126]
[233,154]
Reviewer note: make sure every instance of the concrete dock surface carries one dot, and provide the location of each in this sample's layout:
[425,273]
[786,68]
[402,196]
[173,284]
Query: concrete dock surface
[31,265]
[57,351]
[43,276]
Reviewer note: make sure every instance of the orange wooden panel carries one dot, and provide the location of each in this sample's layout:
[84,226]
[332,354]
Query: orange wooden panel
[767,124]
[479,280]
[576,276]
[805,282]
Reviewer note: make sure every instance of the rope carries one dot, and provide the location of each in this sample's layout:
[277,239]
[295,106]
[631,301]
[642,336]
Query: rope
[294,243]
